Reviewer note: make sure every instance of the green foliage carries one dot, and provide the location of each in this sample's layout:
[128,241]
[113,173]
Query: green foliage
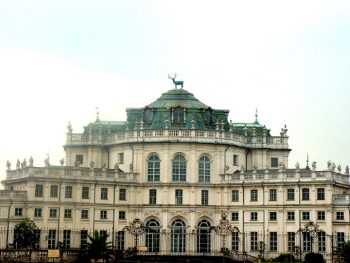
[99,248]
[284,258]
[25,234]
[346,251]
[314,258]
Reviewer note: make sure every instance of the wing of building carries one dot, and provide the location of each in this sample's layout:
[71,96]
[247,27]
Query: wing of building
[187,179]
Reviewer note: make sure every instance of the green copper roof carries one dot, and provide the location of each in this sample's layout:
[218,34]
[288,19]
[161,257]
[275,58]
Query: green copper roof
[178,97]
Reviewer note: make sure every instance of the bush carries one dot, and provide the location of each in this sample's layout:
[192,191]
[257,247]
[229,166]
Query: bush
[314,258]
[287,258]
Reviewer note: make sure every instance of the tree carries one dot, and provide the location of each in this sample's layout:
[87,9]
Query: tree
[26,234]
[99,248]
[346,252]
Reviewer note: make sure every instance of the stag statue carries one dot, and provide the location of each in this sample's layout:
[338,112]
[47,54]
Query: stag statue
[177,82]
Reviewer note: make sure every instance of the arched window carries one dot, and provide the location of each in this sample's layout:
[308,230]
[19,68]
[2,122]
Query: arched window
[153,168]
[178,236]
[204,169]
[203,237]
[152,235]
[178,115]
[179,168]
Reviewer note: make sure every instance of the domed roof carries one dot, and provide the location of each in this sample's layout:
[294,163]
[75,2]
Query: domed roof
[178,97]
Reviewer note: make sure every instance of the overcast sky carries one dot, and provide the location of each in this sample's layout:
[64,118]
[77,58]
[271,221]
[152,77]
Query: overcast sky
[59,60]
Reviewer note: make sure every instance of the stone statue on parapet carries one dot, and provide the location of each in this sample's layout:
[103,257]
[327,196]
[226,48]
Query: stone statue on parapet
[18,164]
[176,82]
[347,170]
[8,165]
[31,161]
[339,168]
[24,163]
[313,165]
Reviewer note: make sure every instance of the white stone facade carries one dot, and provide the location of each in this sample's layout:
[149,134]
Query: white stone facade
[180,176]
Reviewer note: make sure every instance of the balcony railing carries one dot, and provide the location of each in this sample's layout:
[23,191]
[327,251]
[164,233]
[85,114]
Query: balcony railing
[216,136]
[72,172]
[287,175]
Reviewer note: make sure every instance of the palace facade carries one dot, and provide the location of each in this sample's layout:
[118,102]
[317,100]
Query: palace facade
[178,177]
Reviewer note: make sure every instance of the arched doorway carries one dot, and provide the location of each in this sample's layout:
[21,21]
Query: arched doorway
[178,236]
[203,237]
[152,235]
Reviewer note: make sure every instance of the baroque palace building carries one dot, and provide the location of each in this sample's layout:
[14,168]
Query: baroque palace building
[178,177]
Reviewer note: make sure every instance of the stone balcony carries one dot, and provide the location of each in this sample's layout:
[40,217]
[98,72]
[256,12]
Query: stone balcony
[285,175]
[6,195]
[178,135]
[67,172]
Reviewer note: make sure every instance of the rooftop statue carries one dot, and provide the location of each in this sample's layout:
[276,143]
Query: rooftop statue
[177,82]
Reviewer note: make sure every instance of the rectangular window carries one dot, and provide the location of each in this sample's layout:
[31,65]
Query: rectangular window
[51,239]
[305,194]
[66,238]
[79,158]
[290,194]
[18,211]
[340,241]
[321,241]
[38,212]
[122,215]
[103,214]
[306,241]
[37,235]
[321,215]
[205,197]
[121,240]
[122,194]
[273,241]
[120,158]
[53,213]
[235,160]
[68,213]
[103,233]
[235,195]
[178,196]
[54,191]
[274,162]
[320,194]
[234,216]
[290,216]
[273,194]
[273,216]
[291,241]
[235,241]
[85,192]
[254,195]
[253,241]
[39,190]
[305,215]
[254,216]
[83,239]
[340,215]
[104,193]
[152,196]
[84,214]
[68,193]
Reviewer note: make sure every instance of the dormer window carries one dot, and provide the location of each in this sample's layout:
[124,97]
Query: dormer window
[208,117]
[178,115]
[147,116]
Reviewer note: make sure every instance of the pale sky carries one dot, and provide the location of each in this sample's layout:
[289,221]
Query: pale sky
[59,60]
